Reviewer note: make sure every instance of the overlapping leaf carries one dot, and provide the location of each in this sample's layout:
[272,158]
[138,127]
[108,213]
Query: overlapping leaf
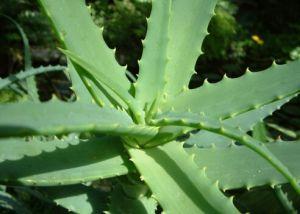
[56,117]
[59,162]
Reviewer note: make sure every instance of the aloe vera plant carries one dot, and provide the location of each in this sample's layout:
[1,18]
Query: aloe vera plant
[117,128]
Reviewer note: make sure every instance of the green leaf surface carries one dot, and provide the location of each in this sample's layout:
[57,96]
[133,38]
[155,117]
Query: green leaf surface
[260,132]
[57,117]
[283,130]
[77,198]
[188,28]
[85,88]
[245,121]
[75,28]
[239,167]
[231,97]
[120,203]
[81,91]
[283,198]
[69,163]
[17,148]
[153,65]
[109,82]
[176,181]
[175,30]
[217,127]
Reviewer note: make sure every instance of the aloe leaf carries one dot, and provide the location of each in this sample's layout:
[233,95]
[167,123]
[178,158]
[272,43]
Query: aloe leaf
[120,203]
[239,167]
[28,73]
[60,162]
[80,90]
[245,121]
[105,80]
[159,72]
[76,198]
[215,126]
[86,88]
[131,76]
[152,65]
[176,181]
[283,130]
[31,83]
[260,132]
[88,42]
[56,117]
[283,198]
[188,28]
[231,97]
[16,148]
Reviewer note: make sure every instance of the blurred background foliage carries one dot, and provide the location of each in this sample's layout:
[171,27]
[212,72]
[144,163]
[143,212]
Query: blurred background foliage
[243,34]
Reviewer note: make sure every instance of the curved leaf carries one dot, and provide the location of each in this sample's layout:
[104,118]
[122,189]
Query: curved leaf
[175,30]
[245,121]
[239,167]
[56,117]
[215,126]
[87,42]
[231,97]
[152,65]
[70,163]
[77,198]
[176,181]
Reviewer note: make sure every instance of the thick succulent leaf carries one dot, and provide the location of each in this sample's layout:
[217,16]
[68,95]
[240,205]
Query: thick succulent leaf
[235,96]
[154,59]
[69,163]
[84,88]
[285,131]
[82,93]
[245,121]
[216,126]
[176,181]
[103,77]
[76,198]
[238,167]
[67,17]
[188,28]
[260,132]
[285,201]
[17,148]
[57,117]
[175,30]
[108,82]
[27,73]
[120,203]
